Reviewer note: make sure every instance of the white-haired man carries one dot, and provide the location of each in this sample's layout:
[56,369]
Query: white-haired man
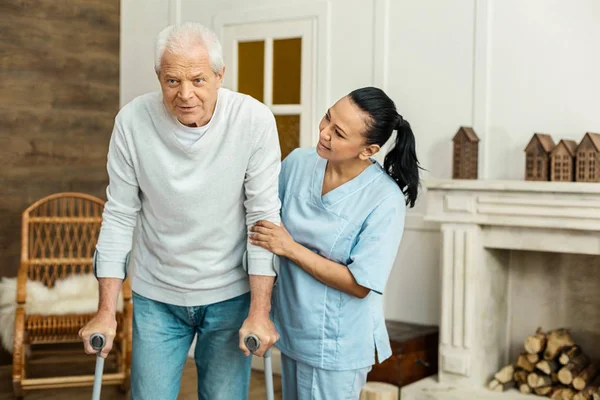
[191,167]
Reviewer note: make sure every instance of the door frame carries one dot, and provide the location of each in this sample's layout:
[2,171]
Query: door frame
[319,13]
[268,32]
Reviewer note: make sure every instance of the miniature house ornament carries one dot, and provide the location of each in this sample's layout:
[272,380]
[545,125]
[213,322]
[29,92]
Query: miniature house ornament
[587,159]
[537,157]
[466,145]
[562,161]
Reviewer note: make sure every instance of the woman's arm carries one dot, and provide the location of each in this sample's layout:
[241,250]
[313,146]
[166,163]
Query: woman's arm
[278,240]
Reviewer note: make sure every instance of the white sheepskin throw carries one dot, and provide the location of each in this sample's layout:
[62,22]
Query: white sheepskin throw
[77,294]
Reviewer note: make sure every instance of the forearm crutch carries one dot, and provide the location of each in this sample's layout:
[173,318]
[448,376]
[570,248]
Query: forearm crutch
[97,341]
[253,343]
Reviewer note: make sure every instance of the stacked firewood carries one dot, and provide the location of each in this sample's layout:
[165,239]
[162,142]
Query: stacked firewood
[552,365]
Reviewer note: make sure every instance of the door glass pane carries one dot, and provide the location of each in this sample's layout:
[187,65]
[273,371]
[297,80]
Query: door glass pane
[288,127]
[287,57]
[251,65]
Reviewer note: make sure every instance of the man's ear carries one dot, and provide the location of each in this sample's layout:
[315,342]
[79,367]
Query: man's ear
[220,76]
[369,151]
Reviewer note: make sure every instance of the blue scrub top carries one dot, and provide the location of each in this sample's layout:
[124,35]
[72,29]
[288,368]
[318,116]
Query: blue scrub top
[358,224]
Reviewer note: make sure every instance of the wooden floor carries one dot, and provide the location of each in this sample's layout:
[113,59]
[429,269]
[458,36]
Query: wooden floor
[188,388]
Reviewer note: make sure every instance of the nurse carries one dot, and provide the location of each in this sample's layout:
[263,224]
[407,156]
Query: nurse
[342,222]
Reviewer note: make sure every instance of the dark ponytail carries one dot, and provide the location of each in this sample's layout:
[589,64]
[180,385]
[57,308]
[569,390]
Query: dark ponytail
[401,162]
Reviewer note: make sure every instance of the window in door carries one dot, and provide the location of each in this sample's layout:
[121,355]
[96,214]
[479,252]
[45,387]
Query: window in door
[272,62]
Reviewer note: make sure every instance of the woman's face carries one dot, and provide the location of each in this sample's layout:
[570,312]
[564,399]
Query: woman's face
[341,133]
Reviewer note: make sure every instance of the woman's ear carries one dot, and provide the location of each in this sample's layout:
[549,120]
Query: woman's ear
[369,151]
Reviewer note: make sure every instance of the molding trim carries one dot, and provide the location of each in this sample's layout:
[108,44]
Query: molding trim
[381,22]
[417,222]
[459,254]
[519,204]
[174,12]
[455,363]
[460,247]
[481,80]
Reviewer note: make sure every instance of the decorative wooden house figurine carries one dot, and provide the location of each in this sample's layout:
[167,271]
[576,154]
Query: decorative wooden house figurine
[466,151]
[588,159]
[562,161]
[538,157]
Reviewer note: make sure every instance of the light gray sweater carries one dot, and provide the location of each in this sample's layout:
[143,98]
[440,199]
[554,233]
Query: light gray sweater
[190,206]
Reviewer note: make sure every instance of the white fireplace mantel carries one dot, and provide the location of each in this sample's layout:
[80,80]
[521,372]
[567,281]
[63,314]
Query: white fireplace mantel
[477,217]
[557,205]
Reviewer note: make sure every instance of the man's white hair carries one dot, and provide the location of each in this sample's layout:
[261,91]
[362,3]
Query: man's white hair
[181,38]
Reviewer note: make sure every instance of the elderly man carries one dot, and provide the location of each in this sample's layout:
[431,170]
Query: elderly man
[191,168]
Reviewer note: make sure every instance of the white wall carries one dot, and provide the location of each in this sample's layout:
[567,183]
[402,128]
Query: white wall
[506,67]
[429,75]
[544,76]
[141,20]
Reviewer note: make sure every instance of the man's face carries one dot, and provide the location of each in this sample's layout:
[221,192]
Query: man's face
[189,86]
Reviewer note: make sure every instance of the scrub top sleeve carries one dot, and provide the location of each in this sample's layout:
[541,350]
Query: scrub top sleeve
[373,255]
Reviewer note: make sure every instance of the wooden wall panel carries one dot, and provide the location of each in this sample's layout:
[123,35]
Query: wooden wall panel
[59,94]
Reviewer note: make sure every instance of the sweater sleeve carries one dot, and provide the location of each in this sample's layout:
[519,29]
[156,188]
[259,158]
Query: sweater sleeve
[120,210]
[261,186]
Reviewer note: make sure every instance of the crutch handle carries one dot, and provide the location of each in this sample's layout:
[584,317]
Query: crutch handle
[97,341]
[252,342]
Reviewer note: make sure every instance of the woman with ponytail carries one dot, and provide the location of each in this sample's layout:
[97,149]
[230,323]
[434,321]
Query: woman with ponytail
[342,223]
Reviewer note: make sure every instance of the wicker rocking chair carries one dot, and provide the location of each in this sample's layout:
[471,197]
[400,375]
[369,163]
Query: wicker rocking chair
[59,235]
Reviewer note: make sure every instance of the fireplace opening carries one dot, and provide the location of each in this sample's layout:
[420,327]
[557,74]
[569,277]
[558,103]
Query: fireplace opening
[554,290]
[553,326]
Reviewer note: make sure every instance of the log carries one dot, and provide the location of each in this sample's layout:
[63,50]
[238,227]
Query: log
[505,374]
[379,391]
[556,341]
[568,394]
[548,366]
[536,380]
[561,392]
[523,363]
[494,383]
[568,354]
[524,388]
[554,377]
[582,396]
[504,386]
[556,392]
[543,391]
[573,369]
[589,390]
[533,358]
[520,376]
[536,343]
[586,376]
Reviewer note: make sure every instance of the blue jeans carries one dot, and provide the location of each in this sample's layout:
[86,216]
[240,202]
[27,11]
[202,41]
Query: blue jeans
[162,336]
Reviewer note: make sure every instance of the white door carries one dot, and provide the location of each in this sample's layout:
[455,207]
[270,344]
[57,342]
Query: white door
[274,63]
